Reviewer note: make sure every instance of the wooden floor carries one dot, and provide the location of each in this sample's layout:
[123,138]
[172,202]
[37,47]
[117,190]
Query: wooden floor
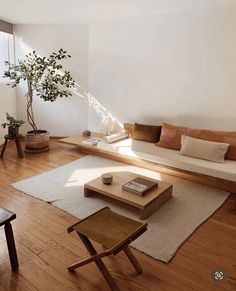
[45,249]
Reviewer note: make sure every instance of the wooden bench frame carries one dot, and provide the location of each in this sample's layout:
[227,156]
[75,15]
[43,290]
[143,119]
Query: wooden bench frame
[188,175]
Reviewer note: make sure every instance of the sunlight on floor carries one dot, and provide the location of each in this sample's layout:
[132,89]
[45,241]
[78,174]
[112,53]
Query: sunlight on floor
[81,176]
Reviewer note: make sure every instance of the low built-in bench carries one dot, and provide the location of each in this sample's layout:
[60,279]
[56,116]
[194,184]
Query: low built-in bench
[150,156]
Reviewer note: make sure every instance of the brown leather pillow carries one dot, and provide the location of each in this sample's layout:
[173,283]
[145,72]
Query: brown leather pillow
[149,133]
[171,137]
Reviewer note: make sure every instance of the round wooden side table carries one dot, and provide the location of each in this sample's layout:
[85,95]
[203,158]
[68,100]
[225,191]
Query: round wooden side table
[17,140]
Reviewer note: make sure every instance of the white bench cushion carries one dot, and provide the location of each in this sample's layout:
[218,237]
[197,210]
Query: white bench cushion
[151,152]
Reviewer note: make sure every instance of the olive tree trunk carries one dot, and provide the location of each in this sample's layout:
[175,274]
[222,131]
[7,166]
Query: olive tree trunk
[30,113]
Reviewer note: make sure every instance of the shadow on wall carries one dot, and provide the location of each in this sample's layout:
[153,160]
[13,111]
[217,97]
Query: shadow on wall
[191,121]
[212,123]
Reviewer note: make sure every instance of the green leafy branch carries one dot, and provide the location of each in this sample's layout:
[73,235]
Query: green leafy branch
[43,76]
[12,122]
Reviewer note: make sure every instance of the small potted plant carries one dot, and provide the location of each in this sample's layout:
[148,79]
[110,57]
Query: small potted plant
[12,124]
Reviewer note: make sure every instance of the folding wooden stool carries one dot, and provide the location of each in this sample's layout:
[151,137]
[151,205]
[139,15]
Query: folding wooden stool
[114,232]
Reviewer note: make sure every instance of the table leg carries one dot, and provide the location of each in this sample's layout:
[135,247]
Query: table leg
[155,204]
[87,192]
[3,149]
[11,246]
[19,148]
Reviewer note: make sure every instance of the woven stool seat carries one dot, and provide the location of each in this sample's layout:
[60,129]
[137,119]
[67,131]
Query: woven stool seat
[107,227]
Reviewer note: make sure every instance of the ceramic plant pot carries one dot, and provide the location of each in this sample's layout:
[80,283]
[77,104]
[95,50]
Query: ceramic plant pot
[13,131]
[37,141]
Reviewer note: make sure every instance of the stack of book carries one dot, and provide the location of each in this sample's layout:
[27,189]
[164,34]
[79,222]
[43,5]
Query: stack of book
[139,186]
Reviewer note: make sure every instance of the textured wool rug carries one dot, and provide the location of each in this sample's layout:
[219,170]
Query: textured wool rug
[168,227]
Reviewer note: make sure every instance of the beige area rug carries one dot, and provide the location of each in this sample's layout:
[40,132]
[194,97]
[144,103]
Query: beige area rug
[168,227]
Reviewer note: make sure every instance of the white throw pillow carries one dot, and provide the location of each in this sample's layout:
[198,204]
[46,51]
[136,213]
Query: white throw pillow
[116,136]
[203,149]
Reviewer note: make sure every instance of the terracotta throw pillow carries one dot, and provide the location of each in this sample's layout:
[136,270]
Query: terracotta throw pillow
[149,133]
[171,137]
[203,149]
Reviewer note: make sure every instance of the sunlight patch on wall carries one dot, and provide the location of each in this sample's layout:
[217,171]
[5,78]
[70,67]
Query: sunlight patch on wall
[108,122]
[24,47]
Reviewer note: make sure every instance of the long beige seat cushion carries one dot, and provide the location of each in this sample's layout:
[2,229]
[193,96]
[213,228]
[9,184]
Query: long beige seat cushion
[151,152]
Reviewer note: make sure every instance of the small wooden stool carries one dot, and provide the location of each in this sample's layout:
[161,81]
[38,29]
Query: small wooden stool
[114,232]
[17,139]
[6,217]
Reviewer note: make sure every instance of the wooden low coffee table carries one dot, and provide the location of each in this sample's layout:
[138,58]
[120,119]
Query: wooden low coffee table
[146,204]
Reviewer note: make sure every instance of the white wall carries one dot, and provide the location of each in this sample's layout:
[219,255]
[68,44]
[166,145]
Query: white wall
[66,116]
[176,67]
[179,68]
[7,94]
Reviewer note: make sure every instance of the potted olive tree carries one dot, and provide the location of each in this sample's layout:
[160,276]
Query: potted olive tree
[45,79]
[12,124]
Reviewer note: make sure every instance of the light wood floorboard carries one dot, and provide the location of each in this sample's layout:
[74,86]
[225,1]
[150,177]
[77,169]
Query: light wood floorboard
[45,249]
